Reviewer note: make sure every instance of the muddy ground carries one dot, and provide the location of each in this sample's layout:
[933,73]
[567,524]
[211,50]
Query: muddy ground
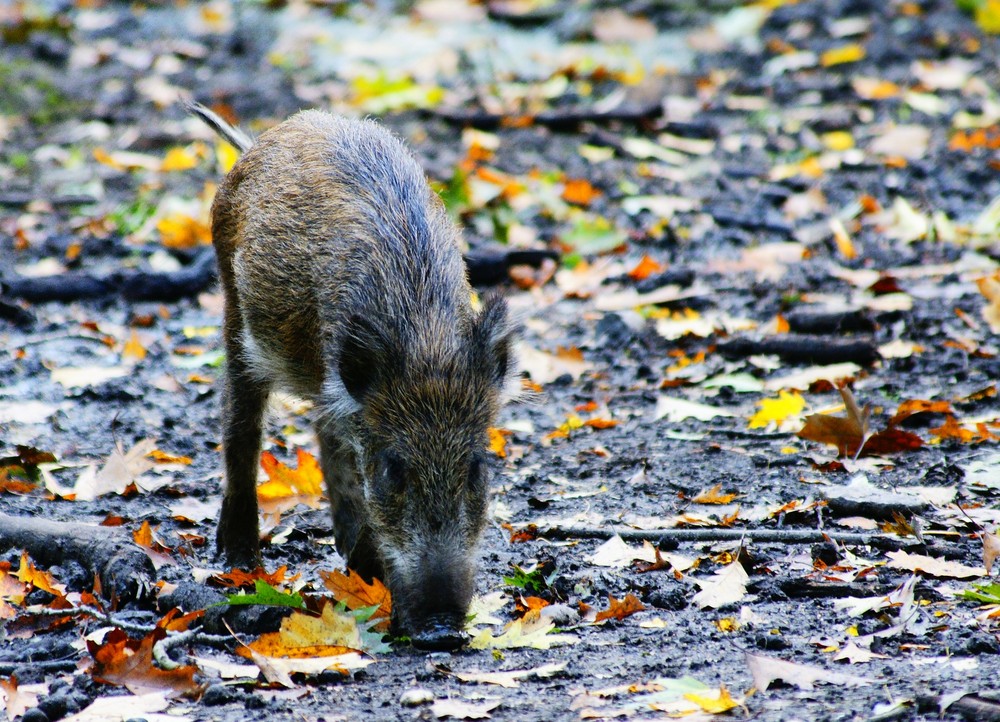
[756,155]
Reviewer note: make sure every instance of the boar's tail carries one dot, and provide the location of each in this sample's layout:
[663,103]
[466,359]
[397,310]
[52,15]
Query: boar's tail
[234,136]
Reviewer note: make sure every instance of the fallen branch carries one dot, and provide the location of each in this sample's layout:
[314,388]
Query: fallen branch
[123,568]
[764,536]
[804,349]
[558,119]
[971,707]
[830,322]
[486,267]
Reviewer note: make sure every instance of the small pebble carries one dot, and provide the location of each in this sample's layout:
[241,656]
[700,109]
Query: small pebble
[416,697]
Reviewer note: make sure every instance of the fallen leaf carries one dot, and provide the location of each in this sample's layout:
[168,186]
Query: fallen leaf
[544,367]
[28,573]
[716,702]
[125,707]
[766,670]
[331,633]
[120,471]
[356,593]
[911,407]
[285,487]
[460,709]
[713,496]
[619,609]
[932,566]
[645,268]
[991,551]
[676,410]
[121,660]
[579,192]
[854,654]
[990,288]
[83,376]
[726,586]
[512,678]
[782,410]
[844,54]
[518,634]
[278,670]
[498,441]
[16,699]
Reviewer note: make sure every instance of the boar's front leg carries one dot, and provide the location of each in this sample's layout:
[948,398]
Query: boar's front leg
[354,538]
[238,534]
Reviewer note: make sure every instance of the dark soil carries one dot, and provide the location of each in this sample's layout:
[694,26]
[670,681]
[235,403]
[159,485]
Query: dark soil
[58,102]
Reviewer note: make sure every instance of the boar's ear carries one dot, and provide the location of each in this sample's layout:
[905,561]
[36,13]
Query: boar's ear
[493,334]
[364,354]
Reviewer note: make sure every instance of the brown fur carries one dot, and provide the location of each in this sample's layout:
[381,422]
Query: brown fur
[344,283]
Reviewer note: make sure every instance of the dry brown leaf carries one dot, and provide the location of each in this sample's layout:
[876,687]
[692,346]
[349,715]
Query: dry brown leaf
[726,586]
[238,578]
[991,550]
[766,670]
[128,662]
[30,574]
[932,566]
[912,407]
[620,608]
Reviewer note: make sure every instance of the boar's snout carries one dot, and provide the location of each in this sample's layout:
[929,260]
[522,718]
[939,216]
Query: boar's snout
[439,636]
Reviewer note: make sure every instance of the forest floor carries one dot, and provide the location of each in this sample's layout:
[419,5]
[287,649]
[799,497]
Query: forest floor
[752,209]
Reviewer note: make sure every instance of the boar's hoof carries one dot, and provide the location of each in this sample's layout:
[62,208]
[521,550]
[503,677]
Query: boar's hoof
[439,638]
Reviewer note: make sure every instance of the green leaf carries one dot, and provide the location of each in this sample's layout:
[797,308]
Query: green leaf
[268,596]
[532,581]
[594,235]
[983,593]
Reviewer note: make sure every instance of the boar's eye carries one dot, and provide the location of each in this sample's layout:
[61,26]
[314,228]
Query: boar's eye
[391,475]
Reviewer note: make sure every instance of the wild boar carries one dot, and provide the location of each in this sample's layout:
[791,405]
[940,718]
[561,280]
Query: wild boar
[344,283]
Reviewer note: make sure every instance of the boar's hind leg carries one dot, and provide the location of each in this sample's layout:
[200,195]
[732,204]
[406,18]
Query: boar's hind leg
[238,535]
[354,540]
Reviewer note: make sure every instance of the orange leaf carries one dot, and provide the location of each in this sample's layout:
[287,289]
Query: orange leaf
[238,578]
[619,609]
[30,574]
[530,607]
[355,592]
[713,496]
[580,192]
[645,268]
[127,662]
[601,423]
[912,407]
[498,441]
[951,429]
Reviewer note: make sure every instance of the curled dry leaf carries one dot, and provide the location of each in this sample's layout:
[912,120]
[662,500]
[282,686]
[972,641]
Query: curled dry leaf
[766,670]
[128,662]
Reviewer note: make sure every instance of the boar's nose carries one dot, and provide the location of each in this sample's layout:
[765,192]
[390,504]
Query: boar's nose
[438,637]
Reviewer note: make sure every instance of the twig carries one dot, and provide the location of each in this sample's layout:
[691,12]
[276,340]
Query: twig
[161,650]
[779,536]
[804,349]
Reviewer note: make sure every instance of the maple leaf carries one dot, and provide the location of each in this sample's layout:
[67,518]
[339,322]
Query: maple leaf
[30,574]
[579,192]
[726,586]
[787,406]
[645,268]
[286,487]
[239,578]
[335,631]
[121,660]
[356,593]
[498,441]
[619,609]
[713,496]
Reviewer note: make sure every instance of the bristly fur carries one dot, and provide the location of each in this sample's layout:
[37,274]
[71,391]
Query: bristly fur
[344,283]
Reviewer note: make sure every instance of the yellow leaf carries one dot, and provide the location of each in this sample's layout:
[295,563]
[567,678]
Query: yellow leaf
[133,348]
[988,17]
[786,406]
[519,633]
[179,159]
[844,54]
[285,481]
[838,140]
[226,156]
[304,635]
[713,704]
[182,231]
[843,240]
[726,624]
